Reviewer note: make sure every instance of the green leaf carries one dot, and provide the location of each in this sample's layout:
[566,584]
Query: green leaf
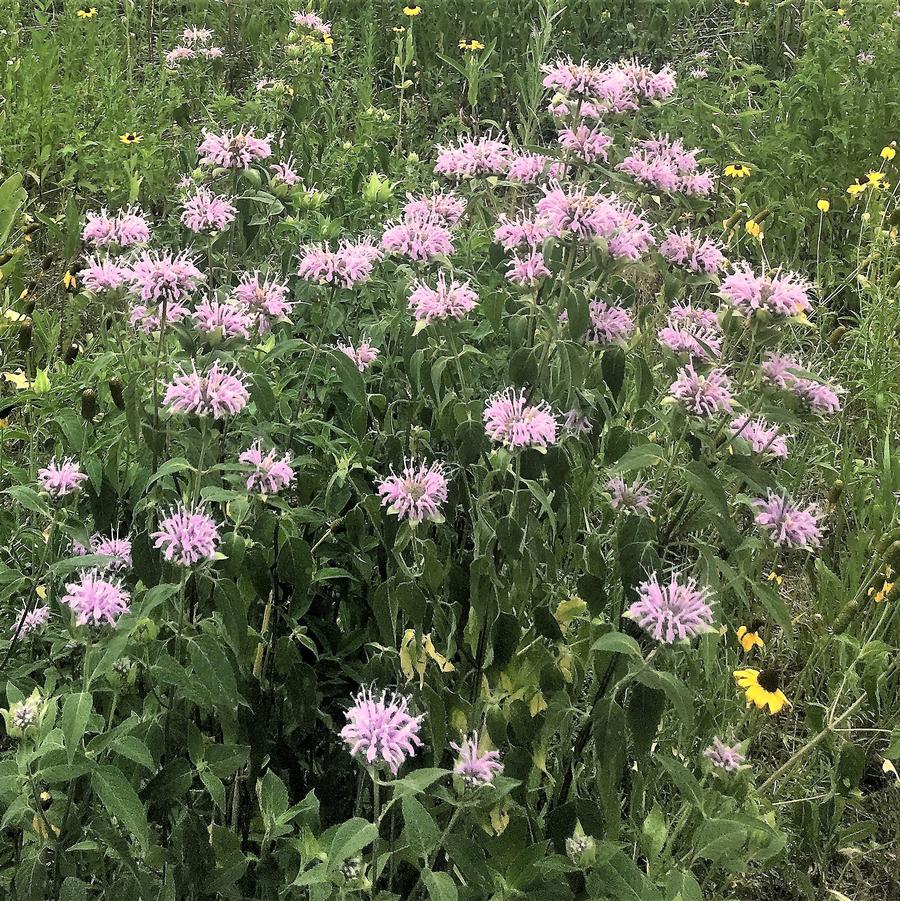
[121,801]
[273,799]
[351,380]
[638,458]
[75,715]
[617,643]
[214,671]
[676,691]
[132,748]
[441,886]
[29,499]
[349,839]
[644,712]
[421,831]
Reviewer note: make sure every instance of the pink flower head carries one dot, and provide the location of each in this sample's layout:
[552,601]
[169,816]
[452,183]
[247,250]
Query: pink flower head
[381,731]
[788,525]
[312,22]
[149,319]
[102,274]
[112,546]
[364,354]
[577,422]
[100,229]
[233,150]
[469,158]
[228,319]
[783,294]
[96,599]
[649,84]
[443,206]
[195,35]
[817,397]
[285,172]
[131,227]
[702,395]
[418,238]
[724,757]
[217,393]
[32,621]
[665,164]
[762,437]
[447,300]
[632,498]
[265,300]
[778,370]
[207,212]
[350,265]
[527,168]
[672,612]
[521,231]
[609,324]
[510,420]
[527,270]
[211,52]
[271,473]
[692,331]
[161,276]
[475,769]
[575,79]
[61,478]
[179,55]
[682,248]
[187,536]
[572,210]
[586,142]
[417,493]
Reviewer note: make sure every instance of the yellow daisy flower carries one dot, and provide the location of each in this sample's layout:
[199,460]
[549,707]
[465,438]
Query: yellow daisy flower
[748,638]
[131,137]
[471,46]
[69,281]
[411,10]
[823,206]
[737,170]
[858,186]
[762,689]
[86,12]
[753,228]
[875,178]
[889,152]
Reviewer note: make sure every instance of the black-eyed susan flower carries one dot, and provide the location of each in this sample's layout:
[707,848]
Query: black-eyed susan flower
[775,575]
[889,152]
[398,29]
[471,46]
[875,179]
[753,228]
[86,12]
[859,185]
[762,689]
[412,11]
[131,137]
[823,206]
[737,170]
[70,283]
[748,636]
[880,595]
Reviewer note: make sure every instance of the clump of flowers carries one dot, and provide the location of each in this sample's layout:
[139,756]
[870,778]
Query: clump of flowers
[271,472]
[285,172]
[693,331]
[30,620]
[187,536]
[113,546]
[728,758]
[96,599]
[351,264]
[510,420]
[787,524]
[632,498]
[381,731]
[609,324]
[672,612]
[528,269]
[781,372]
[101,274]
[781,293]
[473,767]
[449,299]
[265,300]
[417,493]
[151,318]
[60,478]
[227,319]
[127,228]
[586,142]
[160,276]
[472,157]
[417,237]
[665,164]
[233,150]
[702,395]
[207,212]
[218,392]
[363,355]
[442,206]
[762,437]
[196,42]
[528,168]
[682,248]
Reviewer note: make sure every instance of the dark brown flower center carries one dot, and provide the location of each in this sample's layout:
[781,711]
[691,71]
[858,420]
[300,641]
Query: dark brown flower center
[769,680]
[756,625]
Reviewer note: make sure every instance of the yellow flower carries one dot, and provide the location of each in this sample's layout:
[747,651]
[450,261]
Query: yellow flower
[889,152]
[858,186]
[753,228]
[86,12]
[131,137]
[18,380]
[775,576]
[411,10]
[737,170]
[749,638]
[875,178]
[471,45]
[398,29]
[823,206]
[69,281]
[840,11]
[762,689]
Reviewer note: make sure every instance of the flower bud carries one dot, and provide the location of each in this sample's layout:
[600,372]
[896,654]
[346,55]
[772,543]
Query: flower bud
[837,489]
[88,404]
[25,335]
[116,390]
[834,339]
[69,352]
